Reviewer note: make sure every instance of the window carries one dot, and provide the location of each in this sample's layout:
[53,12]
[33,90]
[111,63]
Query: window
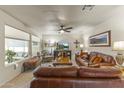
[16,44]
[19,48]
[35,45]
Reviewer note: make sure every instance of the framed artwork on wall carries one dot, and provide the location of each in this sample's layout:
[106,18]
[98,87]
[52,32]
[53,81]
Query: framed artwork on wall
[100,40]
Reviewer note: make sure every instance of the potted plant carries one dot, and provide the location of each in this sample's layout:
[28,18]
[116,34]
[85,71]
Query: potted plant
[10,54]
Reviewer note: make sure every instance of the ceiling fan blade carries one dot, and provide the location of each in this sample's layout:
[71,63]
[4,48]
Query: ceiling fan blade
[67,31]
[68,28]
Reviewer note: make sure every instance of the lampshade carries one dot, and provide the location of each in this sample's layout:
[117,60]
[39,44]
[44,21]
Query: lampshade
[81,45]
[118,46]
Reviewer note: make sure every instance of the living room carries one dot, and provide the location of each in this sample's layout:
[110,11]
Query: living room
[32,31]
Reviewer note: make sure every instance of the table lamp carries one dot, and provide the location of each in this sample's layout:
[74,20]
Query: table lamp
[119,47]
[81,46]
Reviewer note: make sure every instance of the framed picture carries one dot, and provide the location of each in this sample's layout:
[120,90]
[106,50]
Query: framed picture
[100,40]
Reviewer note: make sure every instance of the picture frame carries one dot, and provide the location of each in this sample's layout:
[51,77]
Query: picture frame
[100,40]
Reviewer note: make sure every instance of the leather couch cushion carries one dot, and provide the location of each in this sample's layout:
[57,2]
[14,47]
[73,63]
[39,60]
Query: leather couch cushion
[70,71]
[106,72]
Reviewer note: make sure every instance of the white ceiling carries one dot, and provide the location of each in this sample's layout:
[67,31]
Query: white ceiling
[47,19]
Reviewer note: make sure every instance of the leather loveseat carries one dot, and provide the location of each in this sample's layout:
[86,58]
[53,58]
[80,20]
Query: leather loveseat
[76,77]
[107,60]
[31,63]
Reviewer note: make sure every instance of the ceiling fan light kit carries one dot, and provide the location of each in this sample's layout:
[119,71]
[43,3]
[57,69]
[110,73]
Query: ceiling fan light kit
[62,31]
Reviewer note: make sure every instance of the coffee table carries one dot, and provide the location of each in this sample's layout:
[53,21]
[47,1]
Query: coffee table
[62,64]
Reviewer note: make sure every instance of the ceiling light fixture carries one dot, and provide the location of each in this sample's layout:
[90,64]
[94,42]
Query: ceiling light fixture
[62,31]
[88,7]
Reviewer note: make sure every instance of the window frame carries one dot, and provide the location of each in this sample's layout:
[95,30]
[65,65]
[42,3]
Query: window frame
[28,41]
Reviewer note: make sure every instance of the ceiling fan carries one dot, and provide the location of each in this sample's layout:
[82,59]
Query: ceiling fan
[64,29]
[88,7]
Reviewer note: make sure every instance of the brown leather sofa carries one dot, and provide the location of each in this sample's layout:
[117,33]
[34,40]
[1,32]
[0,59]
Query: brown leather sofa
[107,60]
[31,63]
[76,77]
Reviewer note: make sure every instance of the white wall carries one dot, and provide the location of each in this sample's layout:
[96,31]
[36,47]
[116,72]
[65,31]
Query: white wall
[8,72]
[115,24]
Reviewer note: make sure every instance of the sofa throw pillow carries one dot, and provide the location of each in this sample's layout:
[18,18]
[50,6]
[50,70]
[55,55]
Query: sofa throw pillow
[93,58]
[97,60]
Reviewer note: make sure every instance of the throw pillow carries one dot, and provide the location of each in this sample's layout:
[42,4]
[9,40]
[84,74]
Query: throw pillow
[97,60]
[93,58]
